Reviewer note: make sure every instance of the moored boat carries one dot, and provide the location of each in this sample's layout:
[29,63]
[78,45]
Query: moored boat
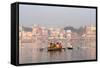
[69,46]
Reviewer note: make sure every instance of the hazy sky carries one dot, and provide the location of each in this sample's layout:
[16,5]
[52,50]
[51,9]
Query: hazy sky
[56,16]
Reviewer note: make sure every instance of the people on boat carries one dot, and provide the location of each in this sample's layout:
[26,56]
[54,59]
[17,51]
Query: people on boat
[50,44]
[58,45]
[55,45]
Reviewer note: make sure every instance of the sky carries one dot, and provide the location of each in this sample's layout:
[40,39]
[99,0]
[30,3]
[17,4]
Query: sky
[54,16]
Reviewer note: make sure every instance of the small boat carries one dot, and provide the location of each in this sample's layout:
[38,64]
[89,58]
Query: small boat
[69,46]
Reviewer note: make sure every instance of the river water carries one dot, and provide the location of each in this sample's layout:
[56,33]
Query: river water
[31,53]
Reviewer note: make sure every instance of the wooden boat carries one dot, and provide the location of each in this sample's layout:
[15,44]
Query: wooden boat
[54,49]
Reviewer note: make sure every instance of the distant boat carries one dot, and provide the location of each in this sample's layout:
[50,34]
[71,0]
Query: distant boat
[69,46]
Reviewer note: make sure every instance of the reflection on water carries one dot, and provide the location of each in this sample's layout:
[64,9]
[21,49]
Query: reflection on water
[31,53]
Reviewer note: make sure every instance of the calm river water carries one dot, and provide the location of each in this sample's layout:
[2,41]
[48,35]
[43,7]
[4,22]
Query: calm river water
[82,50]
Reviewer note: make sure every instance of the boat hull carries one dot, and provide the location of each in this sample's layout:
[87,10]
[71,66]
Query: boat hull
[69,47]
[54,49]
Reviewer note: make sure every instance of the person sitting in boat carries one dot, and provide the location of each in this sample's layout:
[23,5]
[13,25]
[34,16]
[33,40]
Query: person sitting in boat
[52,45]
[58,45]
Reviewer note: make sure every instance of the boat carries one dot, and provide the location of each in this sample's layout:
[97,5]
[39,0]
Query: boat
[69,46]
[55,47]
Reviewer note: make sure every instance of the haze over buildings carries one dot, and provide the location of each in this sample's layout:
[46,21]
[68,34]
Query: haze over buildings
[49,16]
